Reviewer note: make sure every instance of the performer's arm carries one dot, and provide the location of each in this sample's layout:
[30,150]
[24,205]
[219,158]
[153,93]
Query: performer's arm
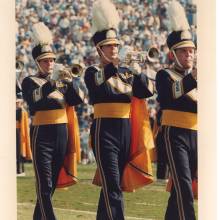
[95,77]
[74,95]
[142,86]
[34,93]
[174,89]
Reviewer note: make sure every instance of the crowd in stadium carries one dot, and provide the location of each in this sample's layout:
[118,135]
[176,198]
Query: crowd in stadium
[144,23]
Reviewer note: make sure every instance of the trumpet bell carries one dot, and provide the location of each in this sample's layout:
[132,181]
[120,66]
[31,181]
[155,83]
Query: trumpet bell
[153,54]
[76,69]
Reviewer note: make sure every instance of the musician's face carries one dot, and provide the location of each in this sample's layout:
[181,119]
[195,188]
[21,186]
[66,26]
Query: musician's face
[110,51]
[46,65]
[186,56]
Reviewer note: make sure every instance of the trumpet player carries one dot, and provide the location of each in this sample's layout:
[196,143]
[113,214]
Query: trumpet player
[176,89]
[110,89]
[47,96]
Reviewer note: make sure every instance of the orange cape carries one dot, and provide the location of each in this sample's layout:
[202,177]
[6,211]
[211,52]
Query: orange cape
[68,173]
[138,171]
[24,136]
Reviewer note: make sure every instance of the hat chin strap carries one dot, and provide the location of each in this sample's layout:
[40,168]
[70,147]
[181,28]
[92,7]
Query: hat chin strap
[39,68]
[176,59]
[102,54]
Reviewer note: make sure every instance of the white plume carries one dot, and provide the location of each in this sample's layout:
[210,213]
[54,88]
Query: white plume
[177,16]
[41,34]
[104,16]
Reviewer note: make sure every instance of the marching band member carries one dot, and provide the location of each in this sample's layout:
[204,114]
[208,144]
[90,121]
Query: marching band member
[47,95]
[111,88]
[176,89]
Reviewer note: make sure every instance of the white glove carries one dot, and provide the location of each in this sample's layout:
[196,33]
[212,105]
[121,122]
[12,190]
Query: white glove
[135,68]
[58,68]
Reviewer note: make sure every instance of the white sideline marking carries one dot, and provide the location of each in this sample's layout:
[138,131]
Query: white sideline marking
[80,211]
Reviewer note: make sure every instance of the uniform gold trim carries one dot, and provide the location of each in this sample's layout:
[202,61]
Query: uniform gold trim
[99,163]
[46,55]
[107,42]
[37,94]
[183,44]
[56,94]
[57,116]
[178,77]
[38,81]
[37,176]
[177,89]
[119,85]
[99,77]
[179,119]
[174,175]
[112,110]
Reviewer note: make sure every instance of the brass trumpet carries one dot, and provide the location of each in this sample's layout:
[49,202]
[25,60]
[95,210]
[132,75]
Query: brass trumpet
[127,55]
[76,70]
[62,72]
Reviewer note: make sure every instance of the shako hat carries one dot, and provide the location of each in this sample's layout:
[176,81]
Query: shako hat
[181,35]
[42,38]
[105,20]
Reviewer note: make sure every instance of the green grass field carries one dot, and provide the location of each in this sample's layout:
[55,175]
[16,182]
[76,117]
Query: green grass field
[80,201]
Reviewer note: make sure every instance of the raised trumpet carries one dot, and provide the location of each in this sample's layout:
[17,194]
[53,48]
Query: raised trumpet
[127,55]
[76,70]
[62,72]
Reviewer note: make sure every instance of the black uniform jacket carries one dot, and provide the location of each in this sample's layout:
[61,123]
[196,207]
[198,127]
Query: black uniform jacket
[175,91]
[42,96]
[115,85]
[177,95]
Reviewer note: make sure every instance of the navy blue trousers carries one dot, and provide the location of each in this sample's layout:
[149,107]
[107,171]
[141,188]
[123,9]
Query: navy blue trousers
[111,147]
[162,168]
[181,149]
[49,145]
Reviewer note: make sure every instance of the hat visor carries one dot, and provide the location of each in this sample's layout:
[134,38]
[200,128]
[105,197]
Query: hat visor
[46,55]
[108,42]
[183,44]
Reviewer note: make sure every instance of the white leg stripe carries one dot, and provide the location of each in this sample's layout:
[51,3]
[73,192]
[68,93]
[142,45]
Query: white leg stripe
[38,183]
[174,174]
[104,185]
